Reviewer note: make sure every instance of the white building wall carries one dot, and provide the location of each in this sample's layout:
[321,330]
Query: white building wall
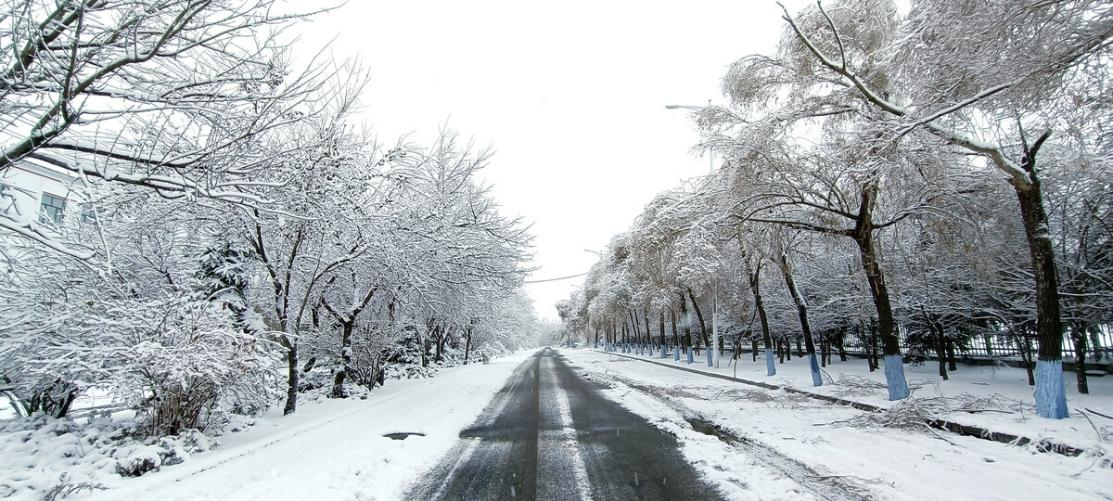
[23,190]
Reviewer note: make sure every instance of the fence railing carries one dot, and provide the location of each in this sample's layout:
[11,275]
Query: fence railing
[1099,347]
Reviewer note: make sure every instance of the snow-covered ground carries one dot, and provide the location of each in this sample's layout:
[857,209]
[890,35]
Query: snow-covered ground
[767,432]
[1007,385]
[749,442]
[329,449]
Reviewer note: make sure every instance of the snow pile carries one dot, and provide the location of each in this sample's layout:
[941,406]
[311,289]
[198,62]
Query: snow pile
[53,458]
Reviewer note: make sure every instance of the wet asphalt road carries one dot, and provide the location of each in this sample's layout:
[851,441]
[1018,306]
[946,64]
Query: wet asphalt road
[549,435]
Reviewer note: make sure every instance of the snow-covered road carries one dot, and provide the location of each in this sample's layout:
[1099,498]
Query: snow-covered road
[551,435]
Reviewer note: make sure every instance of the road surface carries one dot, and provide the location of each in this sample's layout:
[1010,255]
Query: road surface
[549,434]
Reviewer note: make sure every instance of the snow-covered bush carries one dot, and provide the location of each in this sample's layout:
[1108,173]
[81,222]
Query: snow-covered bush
[54,458]
[187,373]
[166,329]
[409,371]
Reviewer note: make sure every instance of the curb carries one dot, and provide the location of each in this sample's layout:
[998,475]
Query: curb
[941,424]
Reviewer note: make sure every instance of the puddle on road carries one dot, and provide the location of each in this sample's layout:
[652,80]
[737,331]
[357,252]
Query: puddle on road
[402,435]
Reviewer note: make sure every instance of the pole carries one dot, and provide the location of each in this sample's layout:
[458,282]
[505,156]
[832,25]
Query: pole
[715,290]
[714,351]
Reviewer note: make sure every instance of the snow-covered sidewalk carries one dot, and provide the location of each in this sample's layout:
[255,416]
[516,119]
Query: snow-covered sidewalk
[334,449]
[816,443]
[999,385]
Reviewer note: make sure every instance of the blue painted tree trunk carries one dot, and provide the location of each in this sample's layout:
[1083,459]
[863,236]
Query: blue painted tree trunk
[894,378]
[676,353]
[817,379]
[710,362]
[663,354]
[770,364]
[691,356]
[1051,397]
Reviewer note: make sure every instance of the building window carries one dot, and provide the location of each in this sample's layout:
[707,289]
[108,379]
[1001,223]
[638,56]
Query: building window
[52,209]
[88,214]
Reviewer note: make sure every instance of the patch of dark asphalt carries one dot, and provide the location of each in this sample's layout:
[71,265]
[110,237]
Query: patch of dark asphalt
[623,455]
[402,435]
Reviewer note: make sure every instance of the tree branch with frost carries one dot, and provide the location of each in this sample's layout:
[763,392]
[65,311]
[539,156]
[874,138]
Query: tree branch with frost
[993,153]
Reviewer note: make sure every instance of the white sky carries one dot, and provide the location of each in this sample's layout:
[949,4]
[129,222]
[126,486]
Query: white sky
[570,94]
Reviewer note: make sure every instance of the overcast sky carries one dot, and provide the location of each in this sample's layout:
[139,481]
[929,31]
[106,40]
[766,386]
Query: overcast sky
[570,94]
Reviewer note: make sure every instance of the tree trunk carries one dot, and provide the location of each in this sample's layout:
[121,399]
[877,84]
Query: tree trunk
[951,364]
[840,344]
[675,335]
[802,313]
[940,347]
[467,342]
[338,390]
[890,344]
[663,342]
[1024,347]
[635,328]
[699,315]
[754,273]
[292,377]
[685,321]
[1078,335]
[1051,399]
[438,343]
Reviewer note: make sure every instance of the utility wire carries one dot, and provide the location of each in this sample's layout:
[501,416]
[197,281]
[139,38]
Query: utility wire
[553,279]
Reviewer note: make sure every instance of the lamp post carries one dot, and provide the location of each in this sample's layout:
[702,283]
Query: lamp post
[715,283]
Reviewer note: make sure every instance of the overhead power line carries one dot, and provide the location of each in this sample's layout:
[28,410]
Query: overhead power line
[553,279]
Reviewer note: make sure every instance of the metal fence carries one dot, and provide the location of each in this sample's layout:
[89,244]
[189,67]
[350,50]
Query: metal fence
[1099,347]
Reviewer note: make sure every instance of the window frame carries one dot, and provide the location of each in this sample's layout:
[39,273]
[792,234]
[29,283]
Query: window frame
[46,216]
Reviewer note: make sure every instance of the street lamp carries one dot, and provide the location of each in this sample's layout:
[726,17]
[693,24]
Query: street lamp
[715,283]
